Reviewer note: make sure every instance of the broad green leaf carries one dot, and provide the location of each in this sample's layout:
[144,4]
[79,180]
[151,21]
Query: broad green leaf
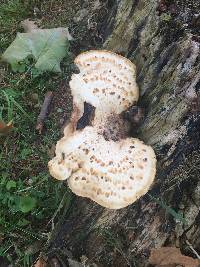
[11,184]
[47,47]
[27,203]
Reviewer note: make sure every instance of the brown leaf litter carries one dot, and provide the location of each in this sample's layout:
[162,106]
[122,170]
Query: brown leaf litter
[171,257]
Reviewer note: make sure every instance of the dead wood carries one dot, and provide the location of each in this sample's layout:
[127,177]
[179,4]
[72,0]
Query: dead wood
[44,111]
[163,43]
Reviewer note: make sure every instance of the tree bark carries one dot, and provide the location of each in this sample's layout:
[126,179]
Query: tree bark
[162,40]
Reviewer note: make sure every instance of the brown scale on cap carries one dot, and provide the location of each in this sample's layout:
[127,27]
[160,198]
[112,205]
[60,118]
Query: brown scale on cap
[114,77]
[101,161]
[115,128]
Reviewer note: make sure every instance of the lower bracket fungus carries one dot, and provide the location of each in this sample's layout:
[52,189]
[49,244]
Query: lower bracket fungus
[100,161]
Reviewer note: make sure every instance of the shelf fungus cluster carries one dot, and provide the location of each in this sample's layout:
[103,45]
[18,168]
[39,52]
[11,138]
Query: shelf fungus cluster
[97,156]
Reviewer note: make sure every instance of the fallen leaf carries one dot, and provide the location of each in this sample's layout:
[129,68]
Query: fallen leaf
[5,128]
[40,263]
[28,25]
[171,257]
[47,47]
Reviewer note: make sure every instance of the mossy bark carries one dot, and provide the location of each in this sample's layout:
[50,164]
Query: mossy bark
[168,70]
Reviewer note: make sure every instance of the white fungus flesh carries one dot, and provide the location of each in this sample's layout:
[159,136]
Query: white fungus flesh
[113,174]
[106,80]
[101,162]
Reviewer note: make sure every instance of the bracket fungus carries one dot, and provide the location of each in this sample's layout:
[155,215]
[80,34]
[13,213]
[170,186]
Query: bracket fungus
[100,161]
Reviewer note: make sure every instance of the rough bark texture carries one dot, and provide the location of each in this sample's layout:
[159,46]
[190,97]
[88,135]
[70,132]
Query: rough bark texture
[164,45]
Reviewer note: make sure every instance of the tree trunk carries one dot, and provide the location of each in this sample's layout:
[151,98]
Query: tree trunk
[162,40]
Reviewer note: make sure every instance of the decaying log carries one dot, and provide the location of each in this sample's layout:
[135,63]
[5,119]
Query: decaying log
[166,53]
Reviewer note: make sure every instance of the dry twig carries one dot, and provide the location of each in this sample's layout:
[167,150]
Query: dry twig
[44,111]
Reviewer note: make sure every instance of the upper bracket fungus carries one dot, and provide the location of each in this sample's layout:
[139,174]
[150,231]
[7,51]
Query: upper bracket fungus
[101,161]
[106,81]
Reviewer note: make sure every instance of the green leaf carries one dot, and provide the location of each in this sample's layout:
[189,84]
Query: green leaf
[35,72]
[23,222]
[25,153]
[165,17]
[59,110]
[11,184]
[21,68]
[3,178]
[27,204]
[47,47]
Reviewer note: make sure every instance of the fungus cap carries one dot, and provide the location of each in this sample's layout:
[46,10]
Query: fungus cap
[106,80]
[113,174]
[101,162]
